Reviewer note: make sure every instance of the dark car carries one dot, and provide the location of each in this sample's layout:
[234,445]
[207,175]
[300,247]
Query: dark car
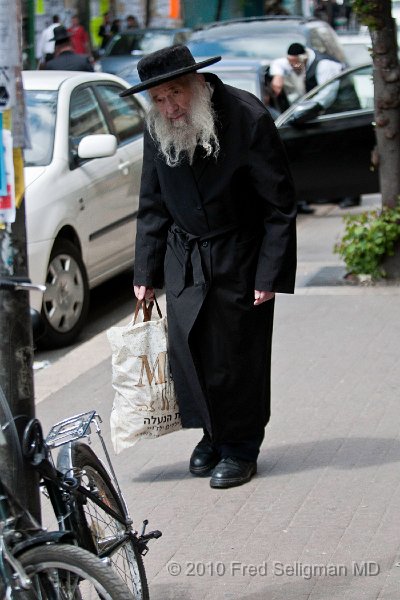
[128,47]
[329,149]
[264,38]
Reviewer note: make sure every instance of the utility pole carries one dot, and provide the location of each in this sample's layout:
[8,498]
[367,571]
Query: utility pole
[30,33]
[16,349]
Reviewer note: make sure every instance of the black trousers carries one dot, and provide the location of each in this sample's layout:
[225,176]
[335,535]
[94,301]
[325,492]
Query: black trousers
[244,450]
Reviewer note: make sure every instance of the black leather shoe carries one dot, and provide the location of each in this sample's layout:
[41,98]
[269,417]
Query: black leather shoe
[204,458]
[232,471]
[350,201]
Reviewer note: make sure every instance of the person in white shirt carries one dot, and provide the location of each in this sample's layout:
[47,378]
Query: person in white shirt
[302,70]
[45,46]
[299,72]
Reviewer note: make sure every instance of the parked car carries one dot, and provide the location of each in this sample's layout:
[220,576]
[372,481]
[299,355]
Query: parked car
[264,38]
[357,48]
[329,149]
[128,47]
[82,177]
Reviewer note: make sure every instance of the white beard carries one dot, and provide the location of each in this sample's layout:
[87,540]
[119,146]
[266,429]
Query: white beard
[178,140]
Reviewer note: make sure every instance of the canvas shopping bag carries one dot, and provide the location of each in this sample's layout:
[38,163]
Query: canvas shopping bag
[145,403]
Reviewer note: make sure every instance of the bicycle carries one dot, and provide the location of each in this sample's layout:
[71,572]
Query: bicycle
[35,564]
[86,497]
[82,482]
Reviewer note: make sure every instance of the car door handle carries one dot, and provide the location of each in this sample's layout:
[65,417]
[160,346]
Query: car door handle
[124,166]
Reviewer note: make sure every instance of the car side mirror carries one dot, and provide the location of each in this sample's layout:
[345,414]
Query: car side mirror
[304,112]
[97,146]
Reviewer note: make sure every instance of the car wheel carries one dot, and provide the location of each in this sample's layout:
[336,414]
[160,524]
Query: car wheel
[66,299]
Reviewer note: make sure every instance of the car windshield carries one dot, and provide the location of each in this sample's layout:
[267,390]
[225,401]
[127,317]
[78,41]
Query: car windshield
[139,43]
[269,46]
[41,109]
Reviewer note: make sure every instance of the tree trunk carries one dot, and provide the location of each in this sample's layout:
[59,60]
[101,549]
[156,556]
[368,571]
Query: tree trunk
[387,99]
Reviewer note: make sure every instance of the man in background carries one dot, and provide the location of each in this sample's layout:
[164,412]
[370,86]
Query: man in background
[45,46]
[65,58]
[301,70]
[105,32]
[79,37]
[131,23]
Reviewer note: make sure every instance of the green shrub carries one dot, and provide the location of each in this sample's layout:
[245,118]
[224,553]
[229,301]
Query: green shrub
[368,238]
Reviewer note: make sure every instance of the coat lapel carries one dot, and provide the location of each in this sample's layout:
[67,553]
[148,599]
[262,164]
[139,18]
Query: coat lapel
[202,164]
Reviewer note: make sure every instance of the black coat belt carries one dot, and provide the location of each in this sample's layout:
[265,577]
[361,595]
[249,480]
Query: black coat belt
[187,245]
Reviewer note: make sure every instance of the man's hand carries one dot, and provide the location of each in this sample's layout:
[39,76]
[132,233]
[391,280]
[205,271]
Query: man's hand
[261,296]
[143,292]
[277,84]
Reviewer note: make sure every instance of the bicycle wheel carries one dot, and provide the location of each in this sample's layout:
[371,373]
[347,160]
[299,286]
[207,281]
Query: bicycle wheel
[99,530]
[63,572]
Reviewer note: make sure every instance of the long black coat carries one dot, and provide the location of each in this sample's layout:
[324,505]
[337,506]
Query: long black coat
[214,232]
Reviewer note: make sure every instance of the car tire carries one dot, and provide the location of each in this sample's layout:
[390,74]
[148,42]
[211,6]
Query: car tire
[65,302]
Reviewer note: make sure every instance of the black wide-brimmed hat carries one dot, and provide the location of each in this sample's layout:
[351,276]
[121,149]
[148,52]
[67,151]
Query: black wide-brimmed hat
[60,34]
[164,65]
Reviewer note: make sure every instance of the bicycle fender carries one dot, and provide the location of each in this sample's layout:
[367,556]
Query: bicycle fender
[51,537]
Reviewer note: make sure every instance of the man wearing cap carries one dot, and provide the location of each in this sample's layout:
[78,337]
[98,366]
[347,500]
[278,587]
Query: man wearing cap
[216,225]
[297,73]
[65,58]
[302,70]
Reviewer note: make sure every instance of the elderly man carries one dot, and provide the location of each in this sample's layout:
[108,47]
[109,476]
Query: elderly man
[217,223]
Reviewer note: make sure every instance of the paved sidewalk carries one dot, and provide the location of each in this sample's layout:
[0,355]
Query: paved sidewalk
[321,519]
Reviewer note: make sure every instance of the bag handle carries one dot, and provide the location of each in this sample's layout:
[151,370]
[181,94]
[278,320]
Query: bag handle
[147,309]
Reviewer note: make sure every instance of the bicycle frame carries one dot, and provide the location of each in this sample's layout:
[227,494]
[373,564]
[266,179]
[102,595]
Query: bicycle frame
[63,483]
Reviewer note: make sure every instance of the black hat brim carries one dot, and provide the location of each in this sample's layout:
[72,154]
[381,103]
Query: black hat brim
[153,81]
[62,39]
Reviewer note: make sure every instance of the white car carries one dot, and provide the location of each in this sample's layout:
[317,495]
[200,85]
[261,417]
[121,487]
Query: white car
[357,48]
[82,178]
